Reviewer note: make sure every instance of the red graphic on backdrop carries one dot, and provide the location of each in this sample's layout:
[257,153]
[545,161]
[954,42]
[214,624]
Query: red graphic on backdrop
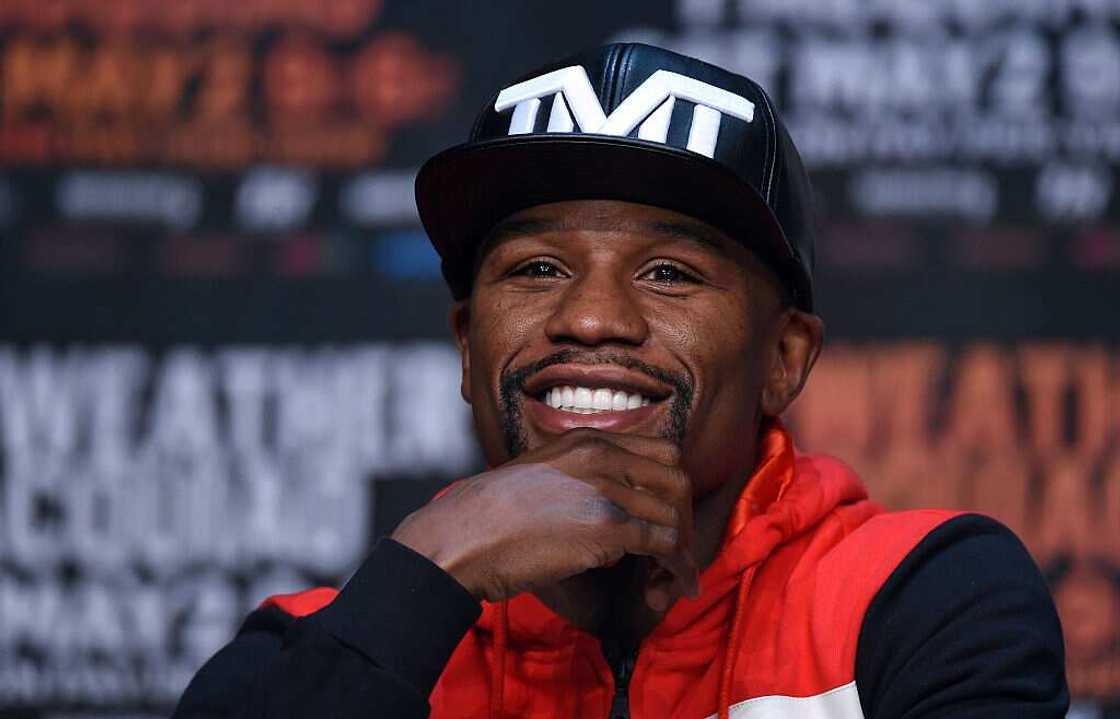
[223,101]
[1026,434]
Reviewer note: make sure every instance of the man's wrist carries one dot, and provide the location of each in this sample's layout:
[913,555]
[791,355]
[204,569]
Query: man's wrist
[401,612]
[414,534]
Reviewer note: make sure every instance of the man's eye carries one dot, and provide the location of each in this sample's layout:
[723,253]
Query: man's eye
[666,273]
[537,268]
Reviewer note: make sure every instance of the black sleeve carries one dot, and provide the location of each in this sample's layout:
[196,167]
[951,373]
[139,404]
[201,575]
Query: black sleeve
[376,650]
[963,628]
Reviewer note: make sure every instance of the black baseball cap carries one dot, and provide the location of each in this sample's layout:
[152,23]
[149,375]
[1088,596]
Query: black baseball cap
[627,122]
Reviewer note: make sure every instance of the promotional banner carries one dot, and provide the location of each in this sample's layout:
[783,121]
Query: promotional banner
[225,367]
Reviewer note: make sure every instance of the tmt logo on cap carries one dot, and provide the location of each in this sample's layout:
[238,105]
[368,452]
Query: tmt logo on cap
[649,107]
[633,123]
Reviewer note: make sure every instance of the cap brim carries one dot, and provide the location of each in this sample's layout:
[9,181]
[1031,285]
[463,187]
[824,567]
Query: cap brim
[463,192]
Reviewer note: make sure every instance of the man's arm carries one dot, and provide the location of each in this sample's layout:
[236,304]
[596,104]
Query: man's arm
[378,647]
[963,628]
[581,502]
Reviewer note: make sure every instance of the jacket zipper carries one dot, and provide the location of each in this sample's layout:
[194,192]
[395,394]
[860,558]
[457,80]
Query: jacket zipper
[621,659]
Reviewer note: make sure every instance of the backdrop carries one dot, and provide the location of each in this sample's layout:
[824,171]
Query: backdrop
[224,363]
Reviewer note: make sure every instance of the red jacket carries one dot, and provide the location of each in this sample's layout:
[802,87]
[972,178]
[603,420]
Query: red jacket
[818,606]
[776,623]
[773,633]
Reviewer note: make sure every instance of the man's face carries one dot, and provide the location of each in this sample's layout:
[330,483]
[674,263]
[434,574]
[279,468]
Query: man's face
[624,318]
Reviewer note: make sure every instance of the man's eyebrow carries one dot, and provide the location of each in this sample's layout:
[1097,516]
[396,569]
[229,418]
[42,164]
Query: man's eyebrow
[519,228]
[692,231]
[695,232]
[508,229]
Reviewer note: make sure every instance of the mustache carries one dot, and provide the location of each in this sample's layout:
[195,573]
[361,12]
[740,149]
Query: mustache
[515,380]
[512,385]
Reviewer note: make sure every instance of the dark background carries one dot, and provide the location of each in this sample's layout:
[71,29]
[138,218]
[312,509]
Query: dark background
[205,213]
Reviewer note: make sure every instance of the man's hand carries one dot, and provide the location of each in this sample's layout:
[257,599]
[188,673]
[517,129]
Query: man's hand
[578,503]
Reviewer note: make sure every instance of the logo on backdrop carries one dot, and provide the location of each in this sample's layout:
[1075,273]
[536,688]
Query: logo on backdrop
[649,108]
[148,502]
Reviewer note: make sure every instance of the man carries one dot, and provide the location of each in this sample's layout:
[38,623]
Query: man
[628,239]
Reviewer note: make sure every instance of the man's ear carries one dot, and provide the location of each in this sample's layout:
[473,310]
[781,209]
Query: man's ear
[460,320]
[799,337]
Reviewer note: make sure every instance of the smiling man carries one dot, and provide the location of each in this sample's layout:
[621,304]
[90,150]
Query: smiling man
[628,240]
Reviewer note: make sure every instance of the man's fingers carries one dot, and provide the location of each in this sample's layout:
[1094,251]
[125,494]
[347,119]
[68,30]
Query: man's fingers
[669,484]
[663,544]
[638,471]
[648,490]
[660,450]
[642,505]
[651,496]
[655,448]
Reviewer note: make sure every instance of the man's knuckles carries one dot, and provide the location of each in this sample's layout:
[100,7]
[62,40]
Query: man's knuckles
[657,539]
[599,512]
[616,527]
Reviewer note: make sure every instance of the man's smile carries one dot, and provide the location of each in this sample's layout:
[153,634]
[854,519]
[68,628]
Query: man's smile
[585,400]
[645,419]
[608,397]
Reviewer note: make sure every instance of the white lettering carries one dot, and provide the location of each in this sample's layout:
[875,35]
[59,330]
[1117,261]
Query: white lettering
[649,105]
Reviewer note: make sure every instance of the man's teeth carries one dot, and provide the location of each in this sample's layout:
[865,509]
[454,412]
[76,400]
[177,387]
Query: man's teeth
[583,400]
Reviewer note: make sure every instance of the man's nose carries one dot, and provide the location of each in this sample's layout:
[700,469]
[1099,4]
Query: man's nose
[598,308]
